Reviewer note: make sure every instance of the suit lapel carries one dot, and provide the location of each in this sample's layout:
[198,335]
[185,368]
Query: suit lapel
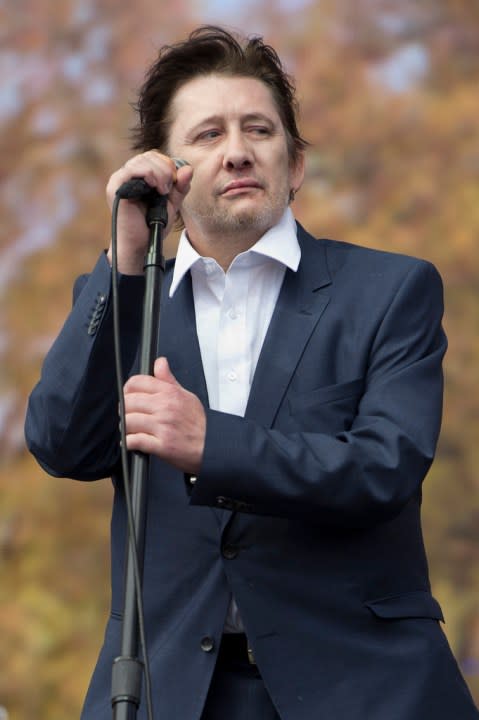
[179,340]
[300,305]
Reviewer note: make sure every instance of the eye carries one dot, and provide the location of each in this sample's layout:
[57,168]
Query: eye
[209,135]
[259,130]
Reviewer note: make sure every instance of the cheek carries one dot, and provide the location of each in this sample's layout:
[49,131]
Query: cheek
[198,195]
[280,169]
[203,179]
[281,182]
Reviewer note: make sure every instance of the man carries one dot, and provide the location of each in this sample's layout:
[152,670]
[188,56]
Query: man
[291,419]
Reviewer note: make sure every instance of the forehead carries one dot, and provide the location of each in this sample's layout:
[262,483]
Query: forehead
[220,96]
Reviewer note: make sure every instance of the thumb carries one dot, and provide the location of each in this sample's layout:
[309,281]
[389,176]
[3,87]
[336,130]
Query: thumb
[161,371]
[184,176]
[181,186]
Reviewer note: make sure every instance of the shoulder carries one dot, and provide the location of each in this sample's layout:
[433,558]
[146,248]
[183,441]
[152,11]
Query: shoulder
[361,262]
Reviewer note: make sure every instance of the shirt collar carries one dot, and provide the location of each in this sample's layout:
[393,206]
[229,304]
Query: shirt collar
[279,243]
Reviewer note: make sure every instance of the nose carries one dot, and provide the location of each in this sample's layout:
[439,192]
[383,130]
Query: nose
[237,152]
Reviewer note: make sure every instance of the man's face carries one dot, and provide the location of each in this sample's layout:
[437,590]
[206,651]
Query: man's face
[229,130]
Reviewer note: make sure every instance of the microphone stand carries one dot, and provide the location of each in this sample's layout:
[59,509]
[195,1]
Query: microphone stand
[127,668]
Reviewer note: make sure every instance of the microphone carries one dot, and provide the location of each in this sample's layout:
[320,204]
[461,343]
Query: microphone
[138,189]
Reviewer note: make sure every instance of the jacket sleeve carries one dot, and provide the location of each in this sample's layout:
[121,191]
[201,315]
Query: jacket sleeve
[71,424]
[361,476]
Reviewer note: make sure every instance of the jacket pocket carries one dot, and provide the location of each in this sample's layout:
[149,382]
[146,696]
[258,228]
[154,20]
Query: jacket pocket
[415,604]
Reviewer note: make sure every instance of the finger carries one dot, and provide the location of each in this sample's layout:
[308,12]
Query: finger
[141,422]
[158,170]
[140,402]
[142,428]
[162,170]
[142,442]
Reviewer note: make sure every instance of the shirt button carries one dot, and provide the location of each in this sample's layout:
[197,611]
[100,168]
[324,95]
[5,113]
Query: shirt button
[232,314]
[207,644]
[192,479]
[232,376]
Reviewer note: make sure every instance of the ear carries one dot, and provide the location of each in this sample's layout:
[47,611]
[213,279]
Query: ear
[296,173]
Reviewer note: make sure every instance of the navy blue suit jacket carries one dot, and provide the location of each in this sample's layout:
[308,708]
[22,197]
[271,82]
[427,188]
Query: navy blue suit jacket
[307,509]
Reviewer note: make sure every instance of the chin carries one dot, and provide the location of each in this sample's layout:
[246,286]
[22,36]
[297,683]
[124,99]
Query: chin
[256,216]
[248,221]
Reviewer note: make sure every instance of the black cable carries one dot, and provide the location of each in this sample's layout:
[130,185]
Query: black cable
[124,457]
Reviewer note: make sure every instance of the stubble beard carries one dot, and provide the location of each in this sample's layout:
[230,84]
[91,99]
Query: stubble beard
[221,220]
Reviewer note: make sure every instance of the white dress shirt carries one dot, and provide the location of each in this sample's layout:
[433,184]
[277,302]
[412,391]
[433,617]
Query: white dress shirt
[233,311]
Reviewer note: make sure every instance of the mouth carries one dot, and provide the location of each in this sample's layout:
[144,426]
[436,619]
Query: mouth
[237,187]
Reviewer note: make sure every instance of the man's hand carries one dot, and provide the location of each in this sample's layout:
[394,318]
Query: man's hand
[160,172]
[164,419]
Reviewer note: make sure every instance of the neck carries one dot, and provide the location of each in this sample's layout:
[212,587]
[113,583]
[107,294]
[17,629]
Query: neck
[223,247]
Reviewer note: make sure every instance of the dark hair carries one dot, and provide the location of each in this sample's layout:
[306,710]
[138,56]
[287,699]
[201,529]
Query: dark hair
[211,50]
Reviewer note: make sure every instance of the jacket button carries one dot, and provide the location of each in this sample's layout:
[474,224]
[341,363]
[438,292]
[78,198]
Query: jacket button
[229,552]
[207,644]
